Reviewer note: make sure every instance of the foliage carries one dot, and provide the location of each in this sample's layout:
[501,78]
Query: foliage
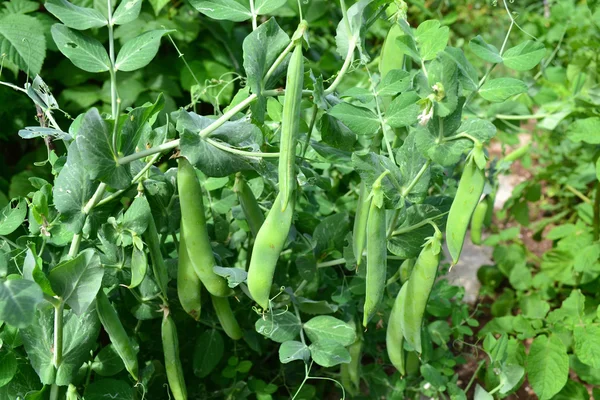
[89,250]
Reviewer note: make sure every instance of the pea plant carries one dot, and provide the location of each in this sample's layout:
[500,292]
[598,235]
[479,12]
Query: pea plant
[303,221]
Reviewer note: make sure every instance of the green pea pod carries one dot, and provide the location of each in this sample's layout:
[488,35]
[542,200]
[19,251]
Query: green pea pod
[116,332]
[349,372]
[139,266]
[359,231]
[517,153]
[392,57]
[418,288]
[226,317]
[467,197]
[193,224]
[477,221]
[268,245]
[394,335]
[290,125]
[252,211]
[376,255]
[188,284]
[172,359]
[158,262]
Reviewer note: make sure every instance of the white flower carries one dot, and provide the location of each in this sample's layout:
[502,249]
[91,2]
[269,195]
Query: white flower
[425,115]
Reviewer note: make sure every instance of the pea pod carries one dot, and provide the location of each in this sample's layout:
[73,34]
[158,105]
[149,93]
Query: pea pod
[188,284]
[394,335]
[268,245]
[252,211]
[172,360]
[349,372]
[418,288]
[193,223]
[116,332]
[359,231]
[517,153]
[406,269]
[226,317]
[290,125]
[469,191]
[158,262]
[376,253]
[477,221]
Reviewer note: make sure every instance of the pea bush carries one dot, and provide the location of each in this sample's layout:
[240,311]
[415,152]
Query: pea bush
[287,244]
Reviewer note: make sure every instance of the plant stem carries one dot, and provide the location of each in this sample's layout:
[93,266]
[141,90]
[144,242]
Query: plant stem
[311,126]
[74,248]
[347,63]
[114,101]
[331,263]
[597,213]
[577,193]
[406,190]
[243,153]
[254,25]
[54,392]
[474,375]
[520,117]
[58,343]
[12,86]
[279,60]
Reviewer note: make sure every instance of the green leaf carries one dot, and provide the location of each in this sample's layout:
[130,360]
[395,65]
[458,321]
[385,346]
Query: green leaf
[403,110]
[158,5]
[468,74]
[139,51]
[23,42]
[127,11]
[18,300]
[482,394]
[94,141]
[109,389]
[279,327]
[510,376]
[585,130]
[21,6]
[325,327]
[394,82]
[361,121]
[314,307]
[293,350]
[524,56]
[501,89]
[547,366]
[328,353]
[77,281]
[409,243]
[262,7]
[587,344]
[230,10]
[37,340]
[72,189]
[234,276]
[208,352]
[411,161]
[431,39]
[357,32]
[575,391]
[107,362]
[8,367]
[486,52]
[84,52]
[139,121]
[336,134]
[139,267]
[73,16]
[12,216]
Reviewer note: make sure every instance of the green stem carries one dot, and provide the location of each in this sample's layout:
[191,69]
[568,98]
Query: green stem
[114,101]
[417,225]
[243,153]
[577,193]
[313,119]
[14,87]
[58,343]
[54,392]
[279,60]
[481,363]
[347,62]
[520,117]
[406,190]
[597,213]
[74,248]
[253,12]
[331,263]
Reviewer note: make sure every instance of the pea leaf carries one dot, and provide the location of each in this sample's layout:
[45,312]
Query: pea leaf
[78,280]
[262,7]
[72,189]
[84,52]
[127,11]
[139,51]
[431,39]
[8,367]
[325,327]
[524,56]
[230,10]
[94,141]
[18,300]
[409,237]
[360,120]
[394,82]
[501,89]
[293,350]
[108,389]
[107,362]
[279,327]
[403,110]
[234,276]
[208,352]
[485,51]
[547,366]
[76,17]
[12,216]
[328,353]
[585,130]
[23,42]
